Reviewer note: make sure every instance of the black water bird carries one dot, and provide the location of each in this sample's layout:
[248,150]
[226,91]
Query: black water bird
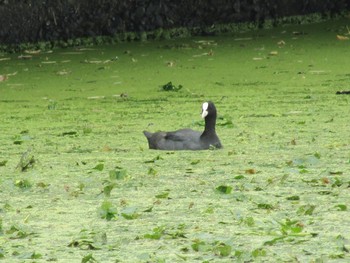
[187,139]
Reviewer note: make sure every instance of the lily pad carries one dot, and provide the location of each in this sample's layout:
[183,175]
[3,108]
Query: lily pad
[224,189]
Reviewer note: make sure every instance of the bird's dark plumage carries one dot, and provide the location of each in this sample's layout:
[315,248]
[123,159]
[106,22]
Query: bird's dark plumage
[187,139]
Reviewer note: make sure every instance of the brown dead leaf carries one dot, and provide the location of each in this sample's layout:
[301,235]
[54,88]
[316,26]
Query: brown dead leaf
[325,180]
[32,52]
[96,97]
[63,72]
[273,53]
[25,57]
[48,62]
[170,63]
[123,202]
[250,171]
[157,202]
[66,187]
[211,52]
[106,148]
[3,78]
[340,37]
[243,39]
[12,74]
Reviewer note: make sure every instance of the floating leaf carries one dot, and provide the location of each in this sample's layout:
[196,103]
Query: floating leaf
[152,171]
[200,246]
[88,258]
[219,84]
[223,249]
[18,232]
[194,162]
[306,210]
[265,206]
[108,189]
[209,210]
[107,211]
[177,232]
[157,158]
[293,198]
[230,153]
[23,137]
[88,130]
[341,207]
[274,241]
[291,227]
[336,173]
[130,213]
[303,171]
[224,189]
[36,255]
[317,155]
[324,192]
[99,167]
[42,185]
[339,182]
[89,240]
[69,133]
[163,195]
[249,221]
[148,210]
[217,247]
[23,183]
[259,252]
[118,174]
[157,233]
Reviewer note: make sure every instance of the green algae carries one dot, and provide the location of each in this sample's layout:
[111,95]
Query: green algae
[82,112]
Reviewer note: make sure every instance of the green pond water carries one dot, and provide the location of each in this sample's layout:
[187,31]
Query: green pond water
[79,184]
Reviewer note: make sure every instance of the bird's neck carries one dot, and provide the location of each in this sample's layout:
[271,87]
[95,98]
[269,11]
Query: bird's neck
[210,125]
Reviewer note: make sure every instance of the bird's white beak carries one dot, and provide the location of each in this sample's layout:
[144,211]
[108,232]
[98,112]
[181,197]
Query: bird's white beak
[204,114]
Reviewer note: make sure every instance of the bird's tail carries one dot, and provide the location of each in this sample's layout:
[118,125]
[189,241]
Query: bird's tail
[147,134]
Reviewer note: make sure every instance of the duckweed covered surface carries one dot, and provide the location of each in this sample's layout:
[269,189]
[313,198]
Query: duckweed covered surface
[79,184]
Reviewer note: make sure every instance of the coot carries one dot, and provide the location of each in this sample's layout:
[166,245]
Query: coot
[187,139]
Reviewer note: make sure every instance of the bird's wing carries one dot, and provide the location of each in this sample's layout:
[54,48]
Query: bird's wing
[182,135]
